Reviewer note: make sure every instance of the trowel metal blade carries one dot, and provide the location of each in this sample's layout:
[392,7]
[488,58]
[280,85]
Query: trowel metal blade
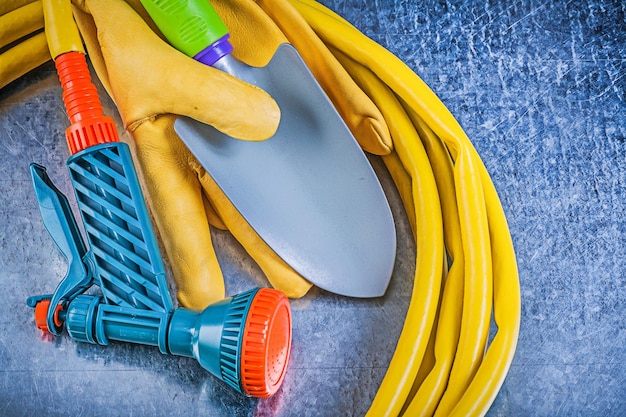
[308,191]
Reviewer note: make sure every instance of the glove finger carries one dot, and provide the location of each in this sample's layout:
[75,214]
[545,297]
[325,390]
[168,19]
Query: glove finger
[177,204]
[213,218]
[254,36]
[89,33]
[182,85]
[360,114]
[280,275]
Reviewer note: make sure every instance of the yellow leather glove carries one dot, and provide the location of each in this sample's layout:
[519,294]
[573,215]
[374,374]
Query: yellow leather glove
[151,83]
[183,198]
[355,107]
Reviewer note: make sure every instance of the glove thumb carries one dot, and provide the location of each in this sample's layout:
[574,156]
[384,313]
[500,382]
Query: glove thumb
[148,77]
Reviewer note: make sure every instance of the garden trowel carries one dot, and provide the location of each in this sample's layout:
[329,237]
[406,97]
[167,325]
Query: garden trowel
[308,191]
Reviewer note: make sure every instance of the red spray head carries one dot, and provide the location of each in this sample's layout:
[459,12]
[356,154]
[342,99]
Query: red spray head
[243,340]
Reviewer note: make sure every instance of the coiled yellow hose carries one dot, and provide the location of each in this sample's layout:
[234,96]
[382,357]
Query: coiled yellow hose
[20,22]
[465,262]
[463,380]
[23,45]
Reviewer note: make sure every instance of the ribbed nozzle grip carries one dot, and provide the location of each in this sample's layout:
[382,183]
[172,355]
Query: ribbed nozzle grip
[89,125]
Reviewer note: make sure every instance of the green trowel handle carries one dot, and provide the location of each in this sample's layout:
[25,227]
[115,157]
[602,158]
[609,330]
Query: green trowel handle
[189,25]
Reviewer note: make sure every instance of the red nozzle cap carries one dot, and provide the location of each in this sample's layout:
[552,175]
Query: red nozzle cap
[41,315]
[266,343]
[89,125]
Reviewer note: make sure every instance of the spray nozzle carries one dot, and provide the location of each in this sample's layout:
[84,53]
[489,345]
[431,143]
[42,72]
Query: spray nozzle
[243,340]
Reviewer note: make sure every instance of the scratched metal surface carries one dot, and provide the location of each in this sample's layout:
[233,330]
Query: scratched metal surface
[539,88]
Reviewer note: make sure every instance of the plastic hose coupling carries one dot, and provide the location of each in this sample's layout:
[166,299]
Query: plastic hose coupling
[89,126]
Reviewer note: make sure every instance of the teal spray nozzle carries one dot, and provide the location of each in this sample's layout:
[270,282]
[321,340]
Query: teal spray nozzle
[243,340]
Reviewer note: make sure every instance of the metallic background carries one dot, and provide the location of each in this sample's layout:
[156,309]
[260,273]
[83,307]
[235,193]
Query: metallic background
[539,88]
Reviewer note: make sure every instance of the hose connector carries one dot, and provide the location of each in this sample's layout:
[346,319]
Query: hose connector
[89,126]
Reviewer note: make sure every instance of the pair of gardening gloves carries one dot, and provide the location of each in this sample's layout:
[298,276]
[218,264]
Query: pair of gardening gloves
[152,84]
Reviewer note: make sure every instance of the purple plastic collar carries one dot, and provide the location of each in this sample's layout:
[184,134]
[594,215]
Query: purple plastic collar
[212,53]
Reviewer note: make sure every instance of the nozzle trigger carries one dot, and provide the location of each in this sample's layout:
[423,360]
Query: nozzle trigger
[58,219]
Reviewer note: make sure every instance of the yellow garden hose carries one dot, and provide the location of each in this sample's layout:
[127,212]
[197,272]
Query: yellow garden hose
[465,268]
[22,58]
[20,22]
[23,44]
[429,238]
[7,6]
[65,36]
[464,379]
